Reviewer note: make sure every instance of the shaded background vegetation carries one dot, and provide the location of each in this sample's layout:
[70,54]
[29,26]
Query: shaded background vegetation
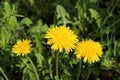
[90,19]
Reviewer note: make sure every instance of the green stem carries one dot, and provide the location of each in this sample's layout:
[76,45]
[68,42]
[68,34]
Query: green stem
[88,71]
[80,9]
[37,76]
[108,44]
[57,64]
[38,44]
[3,73]
[114,6]
[80,67]
[114,40]
[112,9]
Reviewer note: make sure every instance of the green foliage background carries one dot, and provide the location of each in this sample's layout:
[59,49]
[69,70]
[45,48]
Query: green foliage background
[30,19]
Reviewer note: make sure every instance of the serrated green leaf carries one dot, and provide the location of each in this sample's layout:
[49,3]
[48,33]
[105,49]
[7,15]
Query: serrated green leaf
[62,15]
[32,75]
[40,59]
[22,63]
[28,73]
[7,8]
[25,74]
[26,21]
[12,23]
[67,72]
[107,63]
[50,67]
[40,27]
[95,14]
[5,36]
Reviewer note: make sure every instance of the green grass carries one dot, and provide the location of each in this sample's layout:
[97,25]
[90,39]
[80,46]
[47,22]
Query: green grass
[90,19]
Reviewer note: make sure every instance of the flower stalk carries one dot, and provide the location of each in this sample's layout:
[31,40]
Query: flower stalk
[57,64]
[88,71]
[36,74]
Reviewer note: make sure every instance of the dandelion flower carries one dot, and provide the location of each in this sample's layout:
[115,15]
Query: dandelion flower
[61,38]
[89,50]
[22,47]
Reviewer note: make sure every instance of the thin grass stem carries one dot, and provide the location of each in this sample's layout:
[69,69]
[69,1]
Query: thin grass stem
[3,73]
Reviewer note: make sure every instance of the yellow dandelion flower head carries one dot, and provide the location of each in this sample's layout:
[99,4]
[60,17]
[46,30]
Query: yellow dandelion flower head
[89,50]
[61,38]
[22,47]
